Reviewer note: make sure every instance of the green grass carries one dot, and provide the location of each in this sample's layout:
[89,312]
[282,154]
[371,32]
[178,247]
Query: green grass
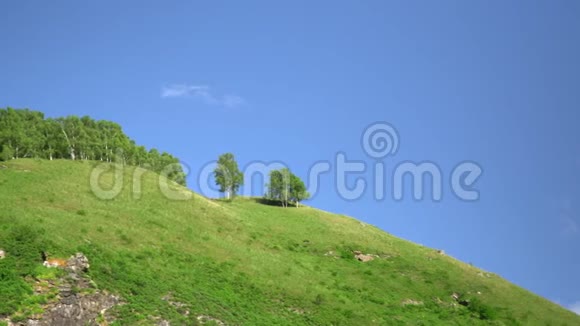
[242,262]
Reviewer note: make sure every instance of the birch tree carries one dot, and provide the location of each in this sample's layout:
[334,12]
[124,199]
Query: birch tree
[227,175]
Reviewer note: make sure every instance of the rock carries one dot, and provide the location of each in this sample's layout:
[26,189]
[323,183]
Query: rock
[441,252]
[411,302]
[76,310]
[364,258]
[2,254]
[163,323]
[78,263]
[204,319]
[457,297]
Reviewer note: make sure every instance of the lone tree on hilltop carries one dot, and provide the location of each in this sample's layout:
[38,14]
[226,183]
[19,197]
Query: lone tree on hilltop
[286,187]
[227,175]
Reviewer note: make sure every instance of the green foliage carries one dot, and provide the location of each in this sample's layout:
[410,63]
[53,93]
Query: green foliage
[13,288]
[45,273]
[279,186]
[6,152]
[298,191]
[286,187]
[481,310]
[27,134]
[26,244]
[227,175]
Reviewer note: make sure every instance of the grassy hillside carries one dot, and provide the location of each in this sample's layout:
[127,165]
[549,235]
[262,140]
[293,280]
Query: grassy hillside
[242,262]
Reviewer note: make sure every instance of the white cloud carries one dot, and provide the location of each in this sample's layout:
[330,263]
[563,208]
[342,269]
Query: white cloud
[232,101]
[181,90]
[203,93]
[575,307]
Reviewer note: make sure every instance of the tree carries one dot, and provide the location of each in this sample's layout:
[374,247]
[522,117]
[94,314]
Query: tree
[32,137]
[286,187]
[53,138]
[12,130]
[279,186]
[227,175]
[74,134]
[298,190]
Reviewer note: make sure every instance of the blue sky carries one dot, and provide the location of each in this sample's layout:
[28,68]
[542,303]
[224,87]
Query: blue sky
[494,82]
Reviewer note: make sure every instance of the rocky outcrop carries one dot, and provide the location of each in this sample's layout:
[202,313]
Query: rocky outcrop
[77,309]
[78,263]
[78,303]
[363,257]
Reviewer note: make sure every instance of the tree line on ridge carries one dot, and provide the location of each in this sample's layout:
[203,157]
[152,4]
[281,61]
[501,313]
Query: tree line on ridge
[28,134]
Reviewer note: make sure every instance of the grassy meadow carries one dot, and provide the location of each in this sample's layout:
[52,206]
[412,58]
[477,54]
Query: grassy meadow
[243,262]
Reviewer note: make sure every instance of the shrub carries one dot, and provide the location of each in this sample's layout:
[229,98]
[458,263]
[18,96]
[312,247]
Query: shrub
[25,245]
[6,153]
[482,310]
[13,288]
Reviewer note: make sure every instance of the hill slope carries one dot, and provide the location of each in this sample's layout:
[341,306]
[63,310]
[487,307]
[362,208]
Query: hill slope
[242,262]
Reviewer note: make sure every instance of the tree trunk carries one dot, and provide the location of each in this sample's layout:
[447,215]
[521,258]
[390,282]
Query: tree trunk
[70,147]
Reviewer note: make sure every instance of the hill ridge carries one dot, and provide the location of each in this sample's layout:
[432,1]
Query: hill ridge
[239,262]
